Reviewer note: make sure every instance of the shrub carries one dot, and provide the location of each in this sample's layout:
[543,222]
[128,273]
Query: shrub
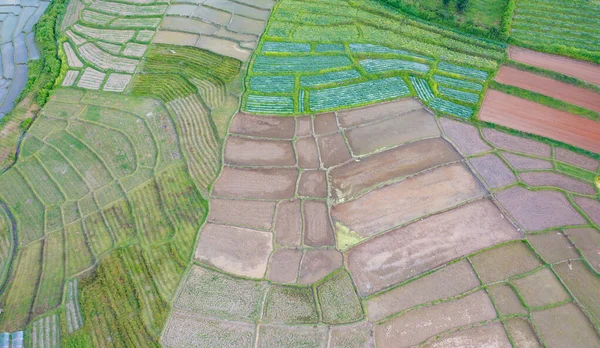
[461,5]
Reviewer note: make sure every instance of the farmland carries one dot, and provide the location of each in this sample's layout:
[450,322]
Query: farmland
[316,68]
[335,173]
[557,27]
[87,203]
[346,192]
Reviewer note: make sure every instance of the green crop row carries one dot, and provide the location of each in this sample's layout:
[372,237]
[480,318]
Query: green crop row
[466,97]
[357,94]
[553,26]
[166,87]
[450,108]
[422,88]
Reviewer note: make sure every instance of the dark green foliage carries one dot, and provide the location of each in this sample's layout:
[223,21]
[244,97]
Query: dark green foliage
[482,18]
[25,124]
[44,72]
[507,19]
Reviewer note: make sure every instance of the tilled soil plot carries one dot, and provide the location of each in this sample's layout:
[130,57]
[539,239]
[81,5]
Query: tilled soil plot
[531,117]
[550,87]
[353,237]
[582,70]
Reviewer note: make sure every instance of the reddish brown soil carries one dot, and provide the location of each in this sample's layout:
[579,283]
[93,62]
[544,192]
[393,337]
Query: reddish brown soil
[552,88]
[531,117]
[582,70]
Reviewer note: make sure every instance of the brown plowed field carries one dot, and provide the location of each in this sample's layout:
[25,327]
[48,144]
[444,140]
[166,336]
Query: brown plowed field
[531,117]
[552,88]
[589,72]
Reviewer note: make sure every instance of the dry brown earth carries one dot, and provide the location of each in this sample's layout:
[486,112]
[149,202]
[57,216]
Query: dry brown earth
[401,202]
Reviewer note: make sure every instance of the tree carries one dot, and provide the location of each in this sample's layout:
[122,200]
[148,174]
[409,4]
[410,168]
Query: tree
[461,5]
[445,2]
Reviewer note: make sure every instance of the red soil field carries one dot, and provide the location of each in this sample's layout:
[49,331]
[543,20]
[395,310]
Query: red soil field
[530,117]
[552,88]
[586,71]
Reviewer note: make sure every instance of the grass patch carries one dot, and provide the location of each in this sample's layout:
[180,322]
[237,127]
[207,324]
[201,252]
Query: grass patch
[576,172]
[481,17]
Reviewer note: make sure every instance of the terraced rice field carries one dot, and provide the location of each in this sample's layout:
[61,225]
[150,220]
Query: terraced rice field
[408,199]
[108,39]
[17,47]
[228,28]
[92,176]
[302,173]
[319,42]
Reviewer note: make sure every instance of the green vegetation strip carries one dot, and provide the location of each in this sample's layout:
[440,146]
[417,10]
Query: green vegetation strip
[554,26]
[545,100]
[358,94]
[318,43]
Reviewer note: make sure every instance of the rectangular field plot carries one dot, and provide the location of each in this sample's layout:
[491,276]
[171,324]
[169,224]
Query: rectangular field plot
[450,108]
[327,78]
[369,48]
[269,104]
[49,294]
[374,66]
[531,117]
[268,64]
[272,83]
[79,257]
[274,46]
[356,94]
[466,97]
[553,23]
[122,9]
[448,81]
[461,70]
[329,48]
[18,297]
[73,314]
